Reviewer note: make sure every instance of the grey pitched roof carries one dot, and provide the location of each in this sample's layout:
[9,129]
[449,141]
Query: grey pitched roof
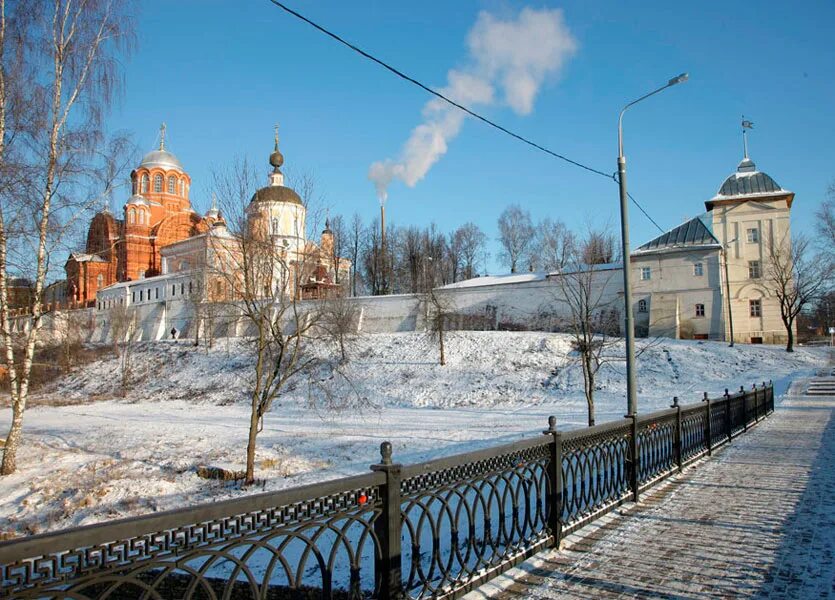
[747,181]
[693,233]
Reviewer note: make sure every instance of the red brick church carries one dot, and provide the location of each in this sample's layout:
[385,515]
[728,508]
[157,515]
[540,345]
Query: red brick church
[157,214]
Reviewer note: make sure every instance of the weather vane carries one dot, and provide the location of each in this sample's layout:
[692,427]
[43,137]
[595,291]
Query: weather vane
[745,125]
[162,136]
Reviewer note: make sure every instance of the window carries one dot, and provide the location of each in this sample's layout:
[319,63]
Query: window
[642,306]
[173,290]
[700,310]
[145,181]
[172,184]
[133,296]
[646,273]
[141,295]
[141,274]
[182,187]
[754,271]
[141,217]
[190,288]
[183,265]
[156,293]
[100,281]
[182,289]
[219,288]
[755,308]
[131,217]
[275,227]
[698,269]
[753,235]
[158,183]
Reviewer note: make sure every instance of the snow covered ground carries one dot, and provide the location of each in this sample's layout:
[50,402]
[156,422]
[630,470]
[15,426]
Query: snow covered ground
[90,455]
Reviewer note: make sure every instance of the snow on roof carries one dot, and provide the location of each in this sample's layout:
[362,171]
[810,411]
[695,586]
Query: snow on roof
[515,278]
[497,280]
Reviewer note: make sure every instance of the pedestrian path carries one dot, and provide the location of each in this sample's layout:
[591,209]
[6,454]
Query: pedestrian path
[755,520]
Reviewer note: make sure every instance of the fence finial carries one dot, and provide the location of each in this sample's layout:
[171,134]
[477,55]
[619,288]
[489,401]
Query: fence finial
[675,402]
[552,423]
[385,453]
[742,389]
[705,398]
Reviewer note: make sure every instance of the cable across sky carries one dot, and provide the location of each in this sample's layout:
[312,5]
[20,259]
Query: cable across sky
[399,73]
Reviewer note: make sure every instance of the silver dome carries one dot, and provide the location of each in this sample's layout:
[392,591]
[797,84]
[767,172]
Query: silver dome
[161,158]
[748,181]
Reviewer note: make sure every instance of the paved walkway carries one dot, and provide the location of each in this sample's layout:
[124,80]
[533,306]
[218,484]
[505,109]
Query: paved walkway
[756,520]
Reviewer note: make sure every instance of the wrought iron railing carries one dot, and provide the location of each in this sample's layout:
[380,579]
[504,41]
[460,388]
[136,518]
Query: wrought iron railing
[435,529]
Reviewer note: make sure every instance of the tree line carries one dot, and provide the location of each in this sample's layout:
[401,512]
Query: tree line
[414,260]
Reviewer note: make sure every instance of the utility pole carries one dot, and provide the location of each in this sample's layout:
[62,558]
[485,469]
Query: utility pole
[728,291]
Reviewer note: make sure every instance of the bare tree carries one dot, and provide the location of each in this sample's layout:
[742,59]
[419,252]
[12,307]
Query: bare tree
[590,318]
[63,74]
[339,233]
[355,238]
[796,277]
[262,278]
[123,326]
[470,242]
[339,318]
[515,234]
[825,223]
[438,309]
[553,245]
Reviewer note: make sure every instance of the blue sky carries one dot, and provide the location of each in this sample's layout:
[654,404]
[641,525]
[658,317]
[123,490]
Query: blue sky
[220,74]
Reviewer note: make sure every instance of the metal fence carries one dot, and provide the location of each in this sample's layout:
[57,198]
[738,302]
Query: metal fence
[435,529]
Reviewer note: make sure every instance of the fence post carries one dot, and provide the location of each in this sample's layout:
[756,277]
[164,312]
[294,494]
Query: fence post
[634,458]
[388,527]
[728,418]
[708,431]
[744,408]
[676,406]
[770,404]
[765,399]
[555,488]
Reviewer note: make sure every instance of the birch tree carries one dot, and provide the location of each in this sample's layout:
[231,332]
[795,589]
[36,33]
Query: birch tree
[515,234]
[58,77]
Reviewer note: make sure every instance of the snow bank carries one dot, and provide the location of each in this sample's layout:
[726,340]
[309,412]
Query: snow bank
[97,456]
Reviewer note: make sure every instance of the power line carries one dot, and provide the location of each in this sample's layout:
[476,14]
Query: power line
[437,94]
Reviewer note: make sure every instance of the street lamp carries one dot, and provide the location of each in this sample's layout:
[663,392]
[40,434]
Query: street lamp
[631,399]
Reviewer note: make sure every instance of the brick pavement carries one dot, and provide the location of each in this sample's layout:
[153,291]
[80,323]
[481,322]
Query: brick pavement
[756,520]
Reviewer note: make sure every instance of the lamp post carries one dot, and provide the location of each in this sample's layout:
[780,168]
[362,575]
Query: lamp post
[631,397]
[728,289]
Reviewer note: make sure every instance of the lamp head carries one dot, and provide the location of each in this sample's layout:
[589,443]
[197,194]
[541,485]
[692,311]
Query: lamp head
[679,79]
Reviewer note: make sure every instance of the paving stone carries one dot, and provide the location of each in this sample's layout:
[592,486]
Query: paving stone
[756,520]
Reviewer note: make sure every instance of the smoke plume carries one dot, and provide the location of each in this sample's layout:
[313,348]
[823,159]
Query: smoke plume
[509,60]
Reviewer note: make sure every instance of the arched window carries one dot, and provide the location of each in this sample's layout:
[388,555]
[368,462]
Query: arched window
[100,281]
[131,216]
[141,217]
[172,185]
[275,227]
[182,187]
[642,306]
[158,183]
[145,181]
